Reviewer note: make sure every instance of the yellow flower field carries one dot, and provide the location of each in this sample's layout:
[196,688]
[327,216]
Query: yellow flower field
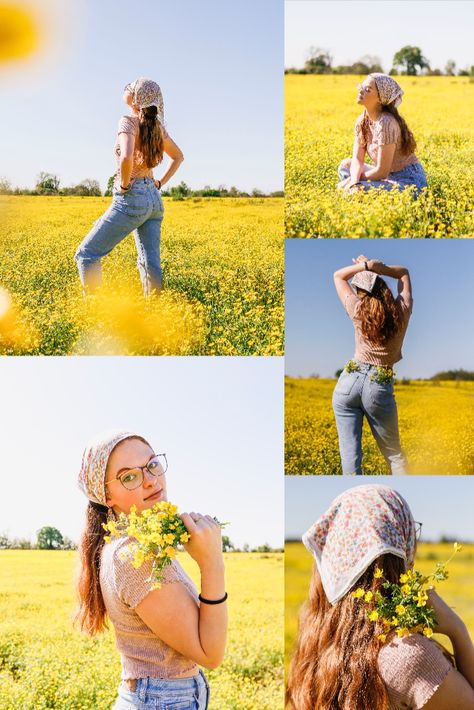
[320,115]
[436,428]
[44,663]
[456,590]
[223,281]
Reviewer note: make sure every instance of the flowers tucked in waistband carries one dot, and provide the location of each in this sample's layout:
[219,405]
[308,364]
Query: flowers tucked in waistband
[380,374]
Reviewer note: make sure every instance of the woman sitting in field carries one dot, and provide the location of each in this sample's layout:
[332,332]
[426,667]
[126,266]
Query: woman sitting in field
[383,135]
[365,386]
[340,661]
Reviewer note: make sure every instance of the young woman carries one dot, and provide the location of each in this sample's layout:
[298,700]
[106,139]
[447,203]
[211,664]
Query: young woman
[136,204]
[383,135]
[339,663]
[162,634]
[365,386]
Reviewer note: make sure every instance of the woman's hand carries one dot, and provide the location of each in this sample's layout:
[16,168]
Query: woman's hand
[448,622]
[343,183]
[205,546]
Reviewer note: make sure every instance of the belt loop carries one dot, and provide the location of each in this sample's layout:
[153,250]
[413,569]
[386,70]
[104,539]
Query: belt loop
[142,687]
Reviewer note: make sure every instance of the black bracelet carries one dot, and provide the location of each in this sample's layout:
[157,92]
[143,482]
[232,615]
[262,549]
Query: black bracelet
[125,188]
[213,601]
[159,186]
[366,266]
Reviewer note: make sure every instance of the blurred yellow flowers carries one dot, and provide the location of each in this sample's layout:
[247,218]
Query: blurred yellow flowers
[19,31]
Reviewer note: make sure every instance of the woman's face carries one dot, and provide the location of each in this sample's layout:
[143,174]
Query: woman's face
[368,95]
[132,453]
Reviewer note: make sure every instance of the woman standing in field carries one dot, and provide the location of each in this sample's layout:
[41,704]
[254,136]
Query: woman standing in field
[136,204]
[162,634]
[368,535]
[383,135]
[365,386]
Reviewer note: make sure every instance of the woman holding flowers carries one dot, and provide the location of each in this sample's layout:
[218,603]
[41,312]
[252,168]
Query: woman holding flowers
[163,630]
[365,386]
[345,658]
[382,135]
[136,204]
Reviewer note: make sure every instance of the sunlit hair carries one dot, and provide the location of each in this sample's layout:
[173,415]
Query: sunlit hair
[150,142]
[91,615]
[335,662]
[379,314]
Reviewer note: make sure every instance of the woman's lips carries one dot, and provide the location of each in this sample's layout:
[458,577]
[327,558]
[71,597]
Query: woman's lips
[155,495]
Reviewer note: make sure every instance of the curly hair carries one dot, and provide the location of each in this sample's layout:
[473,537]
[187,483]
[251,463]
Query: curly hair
[150,143]
[380,315]
[334,666]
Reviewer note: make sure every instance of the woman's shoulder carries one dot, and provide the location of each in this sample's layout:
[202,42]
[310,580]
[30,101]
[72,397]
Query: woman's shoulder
[360,119]
[128,124]
[412,668]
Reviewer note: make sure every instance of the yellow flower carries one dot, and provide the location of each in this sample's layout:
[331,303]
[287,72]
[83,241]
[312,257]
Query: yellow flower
[403,578]
[400,609]
[107,538]
[359,593]
[184,537]
[374,615]
[406,589]
[428,632]
[457,547]
[368,596]
[378,574]
[170,552]
[382,637]
[402,632]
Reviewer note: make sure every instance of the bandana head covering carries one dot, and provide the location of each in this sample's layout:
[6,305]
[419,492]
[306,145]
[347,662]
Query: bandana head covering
[94,463]
[146,92]
[365,280]
[360,525]
[389,91]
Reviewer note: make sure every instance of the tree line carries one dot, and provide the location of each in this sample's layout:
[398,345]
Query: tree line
[50,184]
[408,61]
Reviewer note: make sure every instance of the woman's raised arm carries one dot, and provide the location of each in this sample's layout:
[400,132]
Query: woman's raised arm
[342,276]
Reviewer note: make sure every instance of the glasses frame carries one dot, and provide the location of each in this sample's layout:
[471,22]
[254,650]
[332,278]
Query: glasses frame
[126,471]
[418,529]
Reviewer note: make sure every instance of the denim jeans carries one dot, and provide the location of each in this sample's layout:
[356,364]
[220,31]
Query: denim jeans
[411,175]
[356,395]
[175,694]
[140,210]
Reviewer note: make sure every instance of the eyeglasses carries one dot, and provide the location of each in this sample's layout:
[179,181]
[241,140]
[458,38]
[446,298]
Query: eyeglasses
[365,89]
[130,87]
[418,527]
[132,478]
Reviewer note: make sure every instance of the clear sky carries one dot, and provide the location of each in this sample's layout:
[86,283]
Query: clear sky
[349,30]
[219,64]
[442,503]
[219,420]
[320,335]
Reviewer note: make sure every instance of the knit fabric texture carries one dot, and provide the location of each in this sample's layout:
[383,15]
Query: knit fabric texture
[384,131]
[123,587]
[130,124]
[412,668]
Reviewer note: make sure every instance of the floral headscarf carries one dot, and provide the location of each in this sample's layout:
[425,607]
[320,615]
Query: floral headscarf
[365,280]
[146,92]
[94,463]
[360,525]
[389,91]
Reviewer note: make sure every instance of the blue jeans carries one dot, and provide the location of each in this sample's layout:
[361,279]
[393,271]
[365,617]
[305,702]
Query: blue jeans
[354,397]
[140,210]
[175,694]
[411,175]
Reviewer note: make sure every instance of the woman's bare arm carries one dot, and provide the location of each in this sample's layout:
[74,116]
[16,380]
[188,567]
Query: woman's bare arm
[127,146]
[176,155]
[342,276]
[383,167]
[357,163]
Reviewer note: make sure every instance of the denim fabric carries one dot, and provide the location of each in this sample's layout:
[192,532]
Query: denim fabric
[176,694]
[140,210]
[354,397]
[411,175]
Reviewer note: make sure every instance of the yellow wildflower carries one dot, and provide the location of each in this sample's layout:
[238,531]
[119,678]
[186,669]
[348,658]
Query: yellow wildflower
[378,574]
[359,593]
[374,615]
[368,596]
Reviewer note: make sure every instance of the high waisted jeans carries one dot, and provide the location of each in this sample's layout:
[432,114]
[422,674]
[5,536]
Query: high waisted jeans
[176,694]
[356,395]
[140,210]
[411,175]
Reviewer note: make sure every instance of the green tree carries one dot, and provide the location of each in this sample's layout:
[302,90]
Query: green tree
[410,59]
[319,61]
[450,68]
[227,545]
[5,186]
[47,183]
[49,539]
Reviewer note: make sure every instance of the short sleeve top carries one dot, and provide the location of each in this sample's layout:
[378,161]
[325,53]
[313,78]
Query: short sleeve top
[384,131]
[130,124]
[123,587]
[383,354]
[412,668]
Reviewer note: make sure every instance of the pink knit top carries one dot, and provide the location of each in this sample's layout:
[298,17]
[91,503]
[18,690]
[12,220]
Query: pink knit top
[123,587]
[412,669]
[384,354]
[384,131]
[130,124]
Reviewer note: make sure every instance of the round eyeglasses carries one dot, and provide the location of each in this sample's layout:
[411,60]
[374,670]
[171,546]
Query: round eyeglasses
[132,478]
[418,527]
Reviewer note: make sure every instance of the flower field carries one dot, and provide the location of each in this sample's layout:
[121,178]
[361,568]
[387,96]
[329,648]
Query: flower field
[456,590]
[436,428]
[320,116]
[223,281]
[45,663]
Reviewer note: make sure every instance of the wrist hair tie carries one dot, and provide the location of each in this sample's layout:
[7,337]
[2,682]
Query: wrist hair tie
[213,601]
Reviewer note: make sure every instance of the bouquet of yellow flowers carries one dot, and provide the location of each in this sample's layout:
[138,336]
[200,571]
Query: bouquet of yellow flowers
[157,531]
[403,607]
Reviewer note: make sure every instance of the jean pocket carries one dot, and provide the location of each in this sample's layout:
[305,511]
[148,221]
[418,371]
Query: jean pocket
[345,383]
[133,204]
[175,704]
[381,394]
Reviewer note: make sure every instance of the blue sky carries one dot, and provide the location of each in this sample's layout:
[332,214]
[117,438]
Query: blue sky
[219,65]
[350,30]
[319,334]
[219,420]
[442,503]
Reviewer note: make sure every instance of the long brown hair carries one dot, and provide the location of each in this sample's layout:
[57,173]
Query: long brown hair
[379,313]
[91,614]
[408,143]
[150,142]
[334,666]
